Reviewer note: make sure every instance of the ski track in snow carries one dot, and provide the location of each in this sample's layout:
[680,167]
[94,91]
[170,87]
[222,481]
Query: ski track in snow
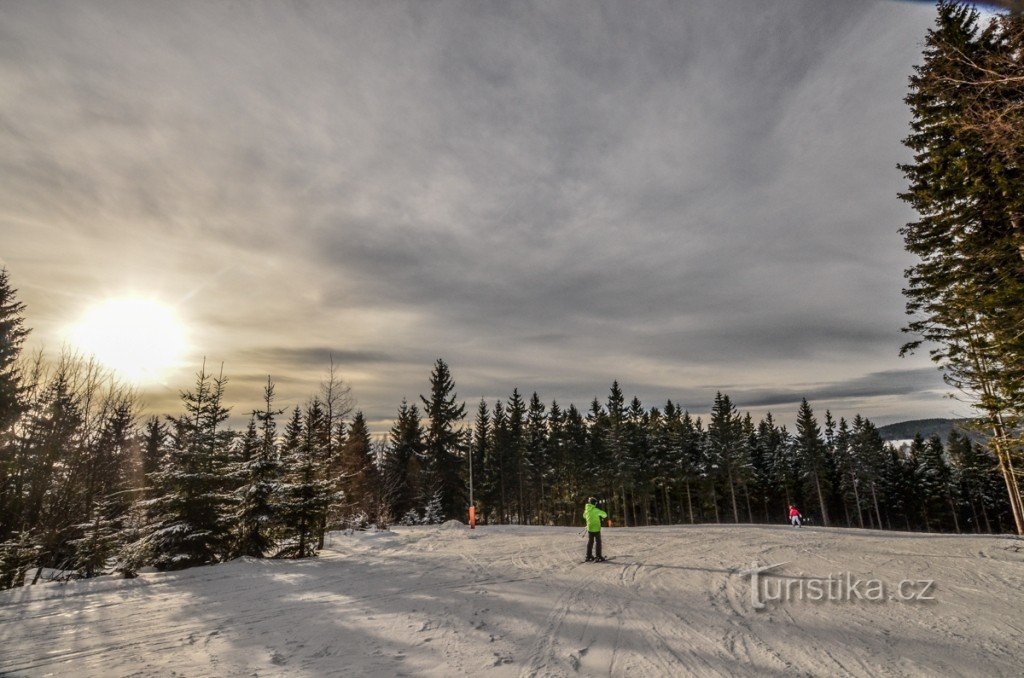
[517,601]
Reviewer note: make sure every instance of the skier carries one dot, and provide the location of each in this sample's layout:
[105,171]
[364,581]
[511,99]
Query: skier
[593,516]
[794,516]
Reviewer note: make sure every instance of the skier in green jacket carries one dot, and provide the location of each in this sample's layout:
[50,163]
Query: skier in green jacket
[593,516]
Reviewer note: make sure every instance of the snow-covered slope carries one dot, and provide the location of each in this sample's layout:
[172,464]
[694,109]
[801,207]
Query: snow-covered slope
[517,601]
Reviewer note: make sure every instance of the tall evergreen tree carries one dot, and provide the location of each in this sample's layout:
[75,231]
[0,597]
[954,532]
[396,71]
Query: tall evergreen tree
[12,394]
[190,525]
[444,441]
[965,292]
[535,459]
[811,452]
[260,476]
[401,475]
[727,447]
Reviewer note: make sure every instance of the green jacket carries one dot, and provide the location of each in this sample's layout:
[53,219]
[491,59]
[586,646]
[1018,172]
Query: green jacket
[593,516]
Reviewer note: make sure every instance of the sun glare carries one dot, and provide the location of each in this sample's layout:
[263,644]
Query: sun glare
[140,339]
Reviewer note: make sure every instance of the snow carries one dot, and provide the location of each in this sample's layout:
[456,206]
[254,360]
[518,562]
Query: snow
[517,601]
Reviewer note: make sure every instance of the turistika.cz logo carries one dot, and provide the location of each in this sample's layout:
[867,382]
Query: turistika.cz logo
[768,587]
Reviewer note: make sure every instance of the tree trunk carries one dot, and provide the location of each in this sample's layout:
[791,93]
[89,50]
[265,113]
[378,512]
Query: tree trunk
[952,507]
[625,517]
[856,498]
[821,500]
[732,493]
[689,501]
[874,499]
[1009,477]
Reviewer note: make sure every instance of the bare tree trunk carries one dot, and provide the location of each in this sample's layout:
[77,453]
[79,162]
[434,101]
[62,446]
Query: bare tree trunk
[732,493]
[874,498]
[952,507]
[689,501]
[856,498]
[625,518]
[1009,477]
[821,500]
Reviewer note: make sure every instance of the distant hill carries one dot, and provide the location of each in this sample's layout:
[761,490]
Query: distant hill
[906,430]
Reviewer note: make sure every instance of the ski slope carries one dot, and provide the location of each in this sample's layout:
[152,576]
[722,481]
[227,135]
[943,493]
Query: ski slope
[518,601]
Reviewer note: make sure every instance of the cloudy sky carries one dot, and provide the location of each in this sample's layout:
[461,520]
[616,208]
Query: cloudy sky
[685,197]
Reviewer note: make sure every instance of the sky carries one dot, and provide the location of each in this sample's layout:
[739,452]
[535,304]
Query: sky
[685,197]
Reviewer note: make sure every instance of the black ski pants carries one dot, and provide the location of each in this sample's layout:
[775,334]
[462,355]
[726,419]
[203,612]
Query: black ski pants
[592,538]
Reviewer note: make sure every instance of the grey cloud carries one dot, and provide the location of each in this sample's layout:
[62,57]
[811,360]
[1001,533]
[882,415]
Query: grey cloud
[315,356]
[561,191]
[885,383]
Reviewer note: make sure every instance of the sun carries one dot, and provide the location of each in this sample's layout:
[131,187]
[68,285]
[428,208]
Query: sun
[140,339]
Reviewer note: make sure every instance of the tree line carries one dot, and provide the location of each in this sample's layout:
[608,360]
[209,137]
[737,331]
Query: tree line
[89,487]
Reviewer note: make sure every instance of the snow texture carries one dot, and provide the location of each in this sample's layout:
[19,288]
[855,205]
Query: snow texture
[517,601]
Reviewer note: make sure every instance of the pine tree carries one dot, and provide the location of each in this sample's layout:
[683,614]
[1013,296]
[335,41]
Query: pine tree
[810,450]
[109,478]
[307,492]
[12,338]
[260,475]
[482,488]
[868,453]
[402,464]
[444,441]
[849,467]
[498,464]
[45,496]
[515,442]
[619,466]
[936,485]
[154,439]
[965,292]
[727,447]
[577,462]
[190,524]
[361,478]
[535,459]
[12,396]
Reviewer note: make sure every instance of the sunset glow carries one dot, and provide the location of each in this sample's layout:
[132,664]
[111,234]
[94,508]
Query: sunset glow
[140,339]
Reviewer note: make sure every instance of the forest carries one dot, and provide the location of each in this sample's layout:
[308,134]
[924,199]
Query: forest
[89,487]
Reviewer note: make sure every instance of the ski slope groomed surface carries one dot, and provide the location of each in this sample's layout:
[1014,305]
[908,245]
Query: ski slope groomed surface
[518,601]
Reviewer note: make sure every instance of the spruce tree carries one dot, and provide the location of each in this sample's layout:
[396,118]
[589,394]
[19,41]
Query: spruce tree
[361,479]
[727,447]
[535,459]
[259,495]
[964,293]
[401,475]
[190,524]
[12,397]
[444,441]
[12,337]
[811,452]
[307,492]
[478,453]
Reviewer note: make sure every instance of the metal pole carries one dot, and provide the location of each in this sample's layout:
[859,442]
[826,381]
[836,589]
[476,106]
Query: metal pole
[472,507]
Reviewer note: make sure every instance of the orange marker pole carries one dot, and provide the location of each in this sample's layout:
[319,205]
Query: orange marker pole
[472,517]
